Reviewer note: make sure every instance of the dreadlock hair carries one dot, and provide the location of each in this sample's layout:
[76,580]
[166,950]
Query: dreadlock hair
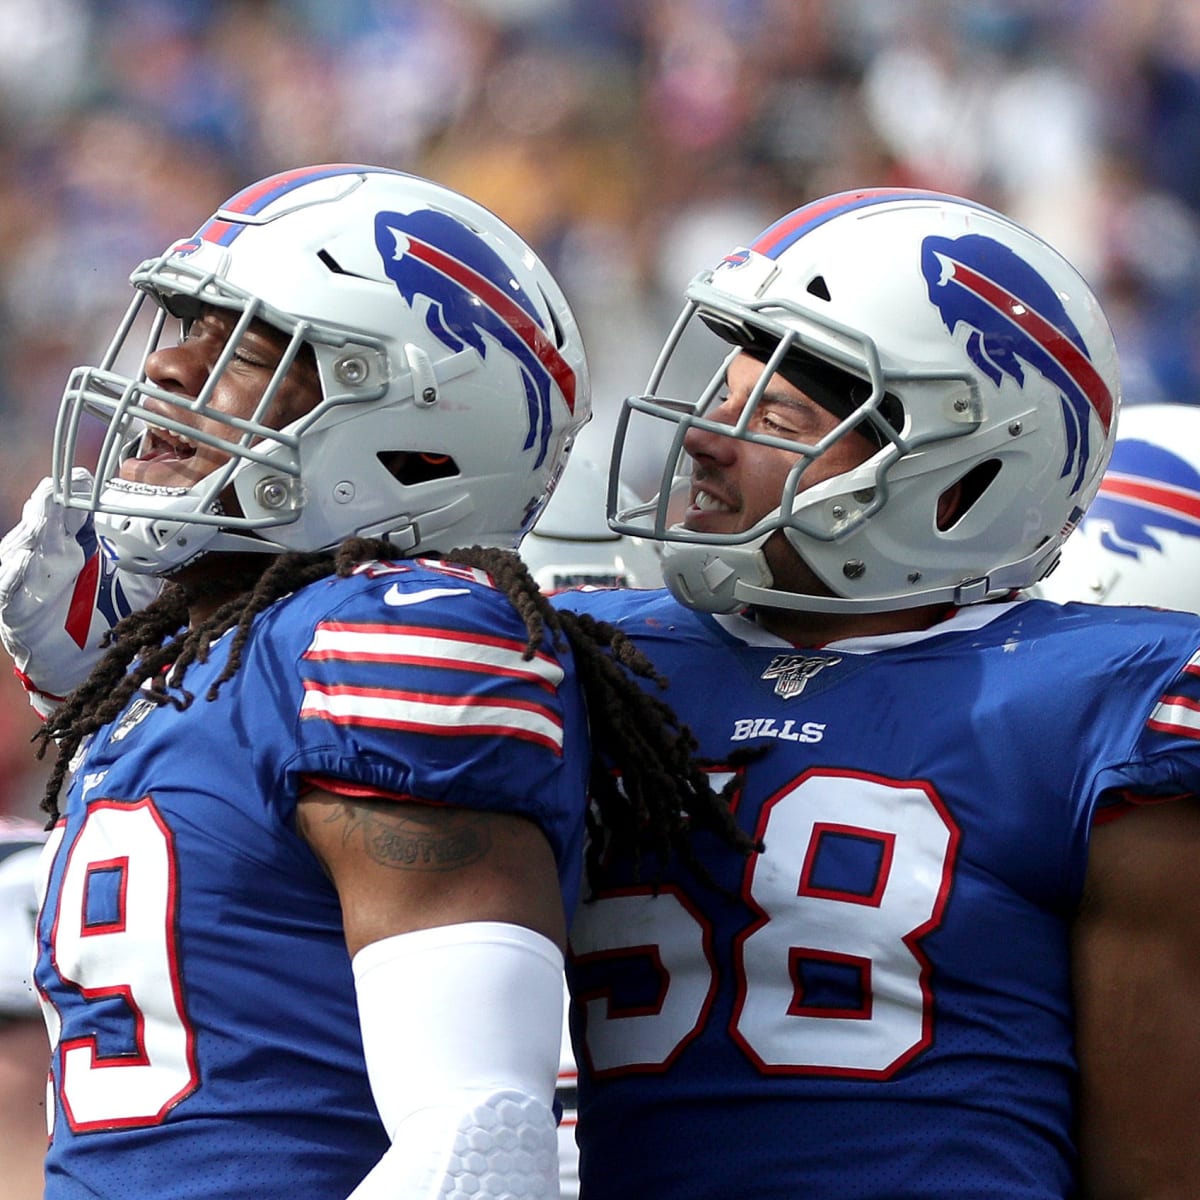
[663,791]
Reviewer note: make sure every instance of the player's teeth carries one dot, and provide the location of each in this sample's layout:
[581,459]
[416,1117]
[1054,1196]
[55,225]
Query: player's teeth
[178,440]
[707,503]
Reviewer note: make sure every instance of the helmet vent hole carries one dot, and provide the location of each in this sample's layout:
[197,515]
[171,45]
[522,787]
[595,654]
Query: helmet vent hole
[417,466]
[559,338]
[819,288]
[334,266]
[958,499]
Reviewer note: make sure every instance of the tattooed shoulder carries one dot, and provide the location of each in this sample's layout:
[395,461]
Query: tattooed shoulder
[416,837]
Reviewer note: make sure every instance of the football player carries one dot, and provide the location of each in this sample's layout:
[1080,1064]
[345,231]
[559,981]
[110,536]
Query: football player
[319,807]
[965,960]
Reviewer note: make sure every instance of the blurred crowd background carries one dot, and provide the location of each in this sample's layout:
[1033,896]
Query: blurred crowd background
[631,141]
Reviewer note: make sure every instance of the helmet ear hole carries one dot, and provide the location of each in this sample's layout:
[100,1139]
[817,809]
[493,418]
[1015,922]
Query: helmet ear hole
[417,466]
[959,498]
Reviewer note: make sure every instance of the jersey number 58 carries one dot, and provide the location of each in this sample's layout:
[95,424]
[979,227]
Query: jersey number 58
[856,871]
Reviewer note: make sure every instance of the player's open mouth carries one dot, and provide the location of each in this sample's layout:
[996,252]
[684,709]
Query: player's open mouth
[160,445]
[165,458]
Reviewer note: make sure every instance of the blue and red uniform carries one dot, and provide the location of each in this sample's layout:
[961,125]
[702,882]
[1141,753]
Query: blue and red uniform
[192,959]
[878,1005]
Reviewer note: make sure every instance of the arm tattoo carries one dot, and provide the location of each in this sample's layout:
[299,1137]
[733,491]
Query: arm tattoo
[433,839]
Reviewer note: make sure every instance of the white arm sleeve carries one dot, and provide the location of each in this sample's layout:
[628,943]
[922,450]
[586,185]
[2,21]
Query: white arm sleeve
[461,1028]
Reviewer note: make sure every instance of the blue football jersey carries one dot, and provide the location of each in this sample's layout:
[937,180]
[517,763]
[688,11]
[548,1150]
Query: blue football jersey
[877,1006]
[191,953]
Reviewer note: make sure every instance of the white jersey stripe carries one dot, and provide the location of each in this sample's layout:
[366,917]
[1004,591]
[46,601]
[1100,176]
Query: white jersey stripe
[421,646]
[1176,714]
[445,716]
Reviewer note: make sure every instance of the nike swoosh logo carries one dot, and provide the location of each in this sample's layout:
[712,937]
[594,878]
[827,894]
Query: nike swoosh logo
[398,599]
[92,780]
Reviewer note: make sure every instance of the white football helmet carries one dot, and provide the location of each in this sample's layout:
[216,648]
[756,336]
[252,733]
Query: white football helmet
[1140,541]
[967,349]
[572,546]
[452,372]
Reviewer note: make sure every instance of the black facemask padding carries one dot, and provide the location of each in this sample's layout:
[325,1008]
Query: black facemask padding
[837,391]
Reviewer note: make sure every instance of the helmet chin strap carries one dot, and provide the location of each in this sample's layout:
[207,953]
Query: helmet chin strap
[731,578]
[407,534]
[167,544]
[726,579]
[220,541]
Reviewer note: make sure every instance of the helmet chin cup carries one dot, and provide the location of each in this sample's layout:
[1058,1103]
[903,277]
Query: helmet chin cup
[712,580]
[152,545]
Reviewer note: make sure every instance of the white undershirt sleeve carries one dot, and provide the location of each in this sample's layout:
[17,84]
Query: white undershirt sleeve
[461,1028]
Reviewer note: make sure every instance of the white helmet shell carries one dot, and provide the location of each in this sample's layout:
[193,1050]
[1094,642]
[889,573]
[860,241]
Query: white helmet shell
[973,354]
[452,373]
[1140,540]
[572,546]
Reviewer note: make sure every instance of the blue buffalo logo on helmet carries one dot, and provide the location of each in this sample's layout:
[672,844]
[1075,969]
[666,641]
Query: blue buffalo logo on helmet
[187,247]
[1017,320]
[97,589]
[472,293]
[1145,489]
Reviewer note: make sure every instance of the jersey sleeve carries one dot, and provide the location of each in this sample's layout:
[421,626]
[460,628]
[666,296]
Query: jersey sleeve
[417,685]
[1165,761]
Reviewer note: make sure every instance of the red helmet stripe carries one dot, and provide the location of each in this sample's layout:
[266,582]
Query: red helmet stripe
[512,314]
[1161,496]
[1048,336]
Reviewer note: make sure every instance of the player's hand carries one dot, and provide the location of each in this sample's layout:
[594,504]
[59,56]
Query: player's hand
[59,596]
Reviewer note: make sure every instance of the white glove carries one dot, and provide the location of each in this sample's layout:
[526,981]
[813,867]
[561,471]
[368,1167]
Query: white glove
[59,595]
